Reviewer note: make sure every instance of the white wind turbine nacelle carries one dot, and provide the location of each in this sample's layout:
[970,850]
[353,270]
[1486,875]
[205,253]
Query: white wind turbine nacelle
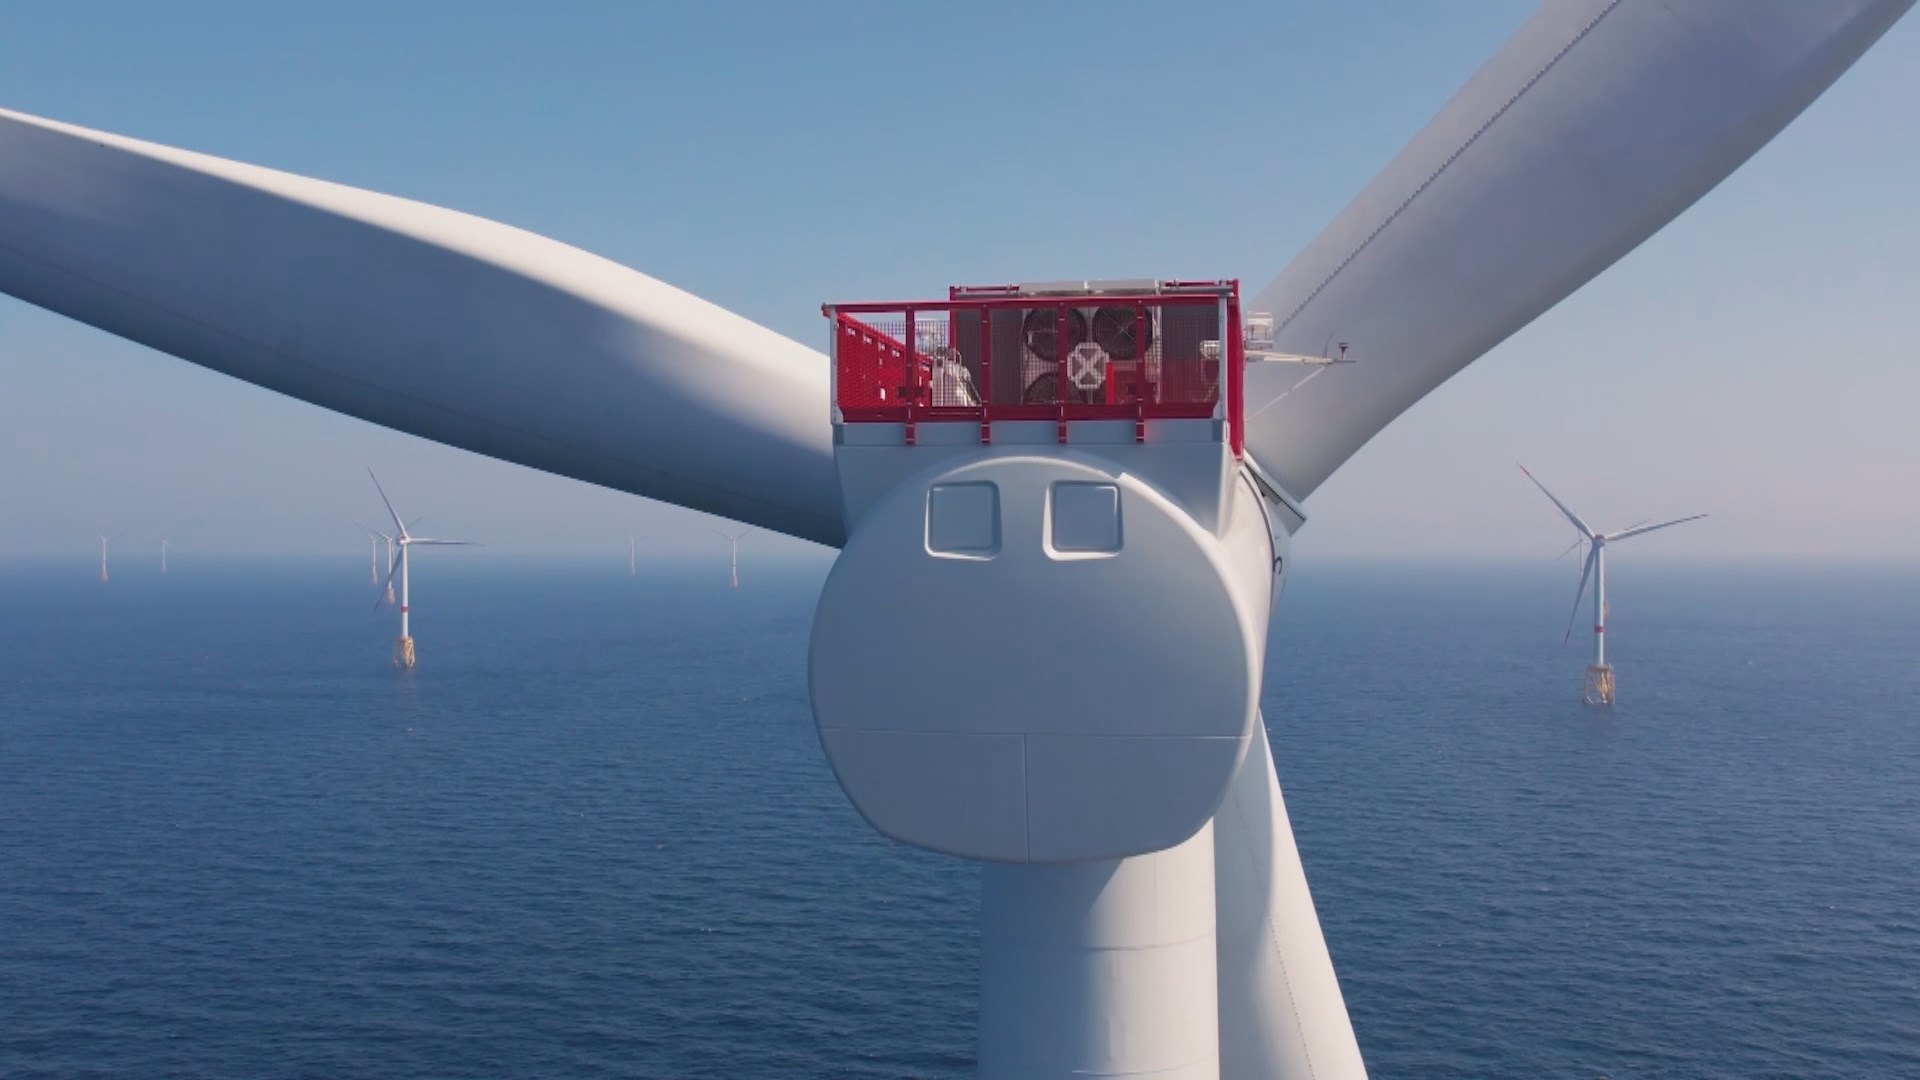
[1016,713]
[1599,121]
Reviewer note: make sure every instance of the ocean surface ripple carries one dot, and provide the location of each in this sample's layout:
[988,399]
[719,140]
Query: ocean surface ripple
[592,834]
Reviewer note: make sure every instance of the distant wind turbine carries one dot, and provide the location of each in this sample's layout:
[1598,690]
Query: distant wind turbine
[1598,688]
[374,538]
[733,541]
[630,549]
[403,645]
[104,538]
[163,555]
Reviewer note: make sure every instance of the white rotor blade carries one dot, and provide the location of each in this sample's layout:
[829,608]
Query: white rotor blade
[448,326]
[1564,508]
[374,532]
[1593,554]
[1597,123]
[1649,528]
[398,529]
[1281,1011]
[416,541]
[1570,548]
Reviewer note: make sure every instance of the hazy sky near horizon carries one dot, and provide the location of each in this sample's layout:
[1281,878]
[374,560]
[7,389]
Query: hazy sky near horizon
[1756,360]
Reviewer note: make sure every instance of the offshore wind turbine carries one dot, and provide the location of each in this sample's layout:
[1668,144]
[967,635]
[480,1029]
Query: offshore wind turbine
[163,555]
[630,554]
[104,539]
[733,546]
[403,654]
[1171,931]
[374,538]
[1598,686]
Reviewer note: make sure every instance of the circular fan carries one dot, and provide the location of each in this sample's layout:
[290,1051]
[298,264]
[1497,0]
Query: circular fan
[1114,329]
[1040,328]
[1041,390]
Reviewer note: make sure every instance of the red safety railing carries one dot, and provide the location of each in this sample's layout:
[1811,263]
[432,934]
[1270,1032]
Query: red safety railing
[1010,356]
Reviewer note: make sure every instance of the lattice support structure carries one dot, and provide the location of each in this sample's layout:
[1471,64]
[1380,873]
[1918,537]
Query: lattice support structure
[403,652]
[1598,689]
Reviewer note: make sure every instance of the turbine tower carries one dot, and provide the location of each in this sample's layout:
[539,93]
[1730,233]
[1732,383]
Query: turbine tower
[403,655]
[630,554]
[733,544]
[1598,687]
[374,538]
[163,556]
[104,539]
[1141,915]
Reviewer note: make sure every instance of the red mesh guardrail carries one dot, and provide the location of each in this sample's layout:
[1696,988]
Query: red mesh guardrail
[1038,358]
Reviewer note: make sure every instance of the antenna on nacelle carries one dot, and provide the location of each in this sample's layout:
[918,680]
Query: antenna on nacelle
[1258,336]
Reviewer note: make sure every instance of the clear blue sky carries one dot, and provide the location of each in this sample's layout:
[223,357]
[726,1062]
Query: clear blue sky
[1756,360]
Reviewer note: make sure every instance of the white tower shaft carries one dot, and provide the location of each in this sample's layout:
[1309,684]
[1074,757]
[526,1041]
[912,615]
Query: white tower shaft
[103,560]
[1600,604]
[1103,968]
[405,632]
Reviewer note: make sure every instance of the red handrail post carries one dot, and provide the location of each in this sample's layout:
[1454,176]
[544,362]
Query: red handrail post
[986,377]
[1236,356]
[1060,375]
[912,373]
[1140,372]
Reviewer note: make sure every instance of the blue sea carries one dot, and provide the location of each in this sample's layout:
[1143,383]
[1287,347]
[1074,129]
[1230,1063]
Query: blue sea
[592,834]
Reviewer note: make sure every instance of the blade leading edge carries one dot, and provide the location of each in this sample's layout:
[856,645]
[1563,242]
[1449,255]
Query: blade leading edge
[448,326]
[398,529]
[1593,555]
[1597,123]
[1649,528]
[1564,508]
